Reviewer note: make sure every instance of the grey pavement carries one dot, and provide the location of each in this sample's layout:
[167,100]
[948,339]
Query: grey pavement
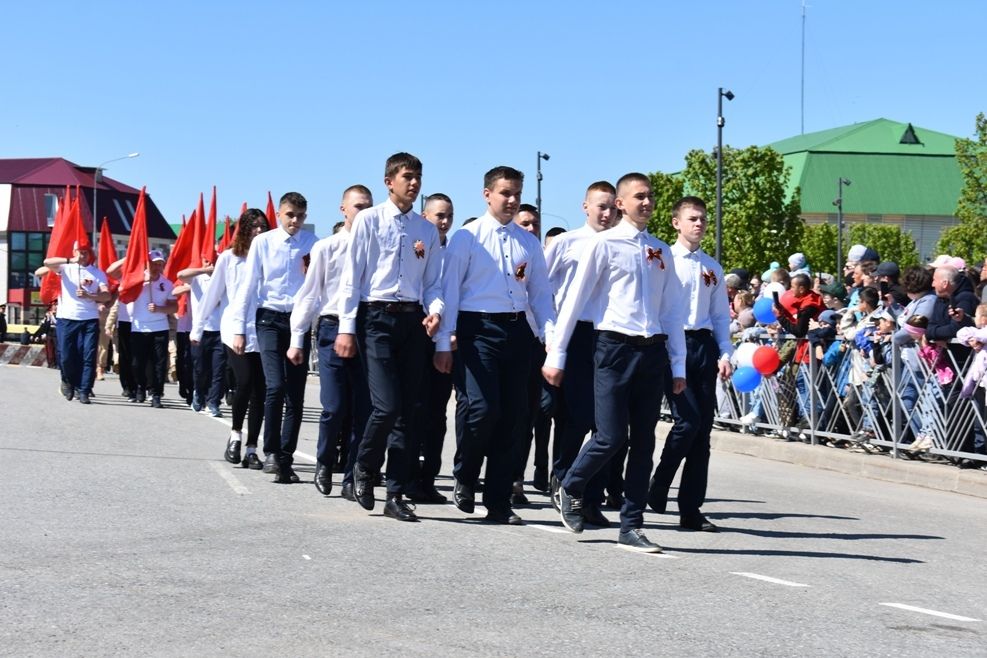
[125,532]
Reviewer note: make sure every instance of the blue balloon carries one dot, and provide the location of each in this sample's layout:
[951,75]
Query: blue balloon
[764,311]
[746,379]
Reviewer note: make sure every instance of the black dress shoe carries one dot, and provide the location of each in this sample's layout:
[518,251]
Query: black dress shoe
[323,479]
[232,454]
[156,402]
[699,523]
[657,499]
[286,475]
[540,482]
[464,498]
[363,488]
[347,491]
[271,464]
[84,398]
[594,517]
[517,495]
[504,517]
[68,391]
[396,508]
[252,461]
[426,494]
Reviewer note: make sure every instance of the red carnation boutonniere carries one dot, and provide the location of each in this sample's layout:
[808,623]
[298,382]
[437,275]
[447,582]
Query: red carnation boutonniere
[655,254]
[419,249]
[519,272]
[709,278]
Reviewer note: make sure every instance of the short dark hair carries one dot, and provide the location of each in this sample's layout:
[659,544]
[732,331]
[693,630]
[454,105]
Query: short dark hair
[360,189]
[693,201]
[916,279]
[633,177]
[601,186]
[469,219]
[250,219]
[438,196]
[295,199]
[802,279]
[555,230]
[497,173]
[337,226]
[399,160]
[527,207]
[870,295]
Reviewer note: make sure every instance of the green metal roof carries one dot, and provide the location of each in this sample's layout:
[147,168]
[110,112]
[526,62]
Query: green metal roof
[887,176]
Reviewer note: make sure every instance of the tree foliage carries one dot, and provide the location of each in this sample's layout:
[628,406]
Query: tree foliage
[668,189]
[819,247]
[889,241]
[969,238]
[759,223]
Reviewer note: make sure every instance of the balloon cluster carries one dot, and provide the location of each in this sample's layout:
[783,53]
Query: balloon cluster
[764,311]
[753,362]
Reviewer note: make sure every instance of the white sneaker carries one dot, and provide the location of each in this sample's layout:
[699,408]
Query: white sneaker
[748,419]
[921,443]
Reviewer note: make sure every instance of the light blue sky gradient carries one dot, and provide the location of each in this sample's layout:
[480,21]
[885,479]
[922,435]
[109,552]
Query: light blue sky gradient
[313,96]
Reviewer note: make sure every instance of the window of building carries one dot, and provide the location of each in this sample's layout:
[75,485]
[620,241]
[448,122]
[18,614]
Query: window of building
[51,208]
[27,253]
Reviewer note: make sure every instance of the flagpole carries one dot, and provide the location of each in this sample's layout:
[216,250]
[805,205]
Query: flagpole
[97,175]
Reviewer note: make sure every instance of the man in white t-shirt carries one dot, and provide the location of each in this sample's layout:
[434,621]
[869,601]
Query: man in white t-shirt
[84,287]
[149,330]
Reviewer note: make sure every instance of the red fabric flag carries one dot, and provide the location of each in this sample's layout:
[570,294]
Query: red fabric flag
[60,244]
[209,237]
[198,217]
[181,253]
[107,253]
[80,238]
[135,265]
[227,237]
[272,216]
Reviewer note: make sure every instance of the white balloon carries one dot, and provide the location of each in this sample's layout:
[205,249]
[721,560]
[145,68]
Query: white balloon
[744,354]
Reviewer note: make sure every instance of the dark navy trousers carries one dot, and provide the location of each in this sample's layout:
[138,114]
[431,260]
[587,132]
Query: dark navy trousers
[491,373]
[209,367]
[284,384]
[77,343]
[392,346]
[692,411]
[429,431]
[628,386]
[343,393]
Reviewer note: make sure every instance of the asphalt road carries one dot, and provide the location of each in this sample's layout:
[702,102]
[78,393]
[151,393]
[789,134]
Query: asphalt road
[125,532]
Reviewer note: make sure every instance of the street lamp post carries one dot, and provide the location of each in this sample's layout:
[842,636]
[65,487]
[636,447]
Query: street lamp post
[720,122]
[541,156]
[839,220]
[97,177]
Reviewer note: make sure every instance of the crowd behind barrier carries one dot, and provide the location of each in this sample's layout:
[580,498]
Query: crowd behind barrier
[904,406]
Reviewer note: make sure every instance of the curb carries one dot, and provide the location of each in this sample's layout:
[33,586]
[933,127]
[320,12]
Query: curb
[941,477]
[22,355]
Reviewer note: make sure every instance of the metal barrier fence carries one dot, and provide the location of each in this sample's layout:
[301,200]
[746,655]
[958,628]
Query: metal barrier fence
[909,406]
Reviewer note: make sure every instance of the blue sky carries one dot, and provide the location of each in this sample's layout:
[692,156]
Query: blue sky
[313,96]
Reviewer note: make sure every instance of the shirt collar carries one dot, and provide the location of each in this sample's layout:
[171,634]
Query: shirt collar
[679,249]
[283,234]
[492,222]
[627,229]
[390,210]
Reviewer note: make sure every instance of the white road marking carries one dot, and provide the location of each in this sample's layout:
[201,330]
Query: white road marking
[548,528]
[231,480]
[664,556]
[768,579]
[926,611]
[305,557]
[303,455]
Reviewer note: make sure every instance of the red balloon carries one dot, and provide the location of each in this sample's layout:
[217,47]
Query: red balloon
[766,360]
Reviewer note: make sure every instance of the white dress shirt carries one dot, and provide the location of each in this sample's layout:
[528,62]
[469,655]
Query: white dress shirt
[320,292]
[274,271]
[227,278]
[198,286]
[73,276]
[158,293]
[393,257]
[706,294]
[494,268]
[629,280]
[562,257]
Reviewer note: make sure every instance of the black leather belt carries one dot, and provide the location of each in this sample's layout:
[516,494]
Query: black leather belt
[495,317]
[282,314]
[329,317]
[396,307]
[698,332]
[633,340]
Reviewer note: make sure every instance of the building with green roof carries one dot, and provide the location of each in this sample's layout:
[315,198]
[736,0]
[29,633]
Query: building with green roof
[900,174]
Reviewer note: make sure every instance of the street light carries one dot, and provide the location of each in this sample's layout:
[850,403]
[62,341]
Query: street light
[720,94]
[541,156]
[839,220]
[97,177]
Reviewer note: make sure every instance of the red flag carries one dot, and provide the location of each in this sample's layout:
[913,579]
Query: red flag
[272,216]
[107,253]
[181,253]
[196,220]
[209,237]
[227,237]
[81,238]
[60,244]
[135,264]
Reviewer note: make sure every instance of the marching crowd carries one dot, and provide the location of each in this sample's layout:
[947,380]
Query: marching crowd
[590,333]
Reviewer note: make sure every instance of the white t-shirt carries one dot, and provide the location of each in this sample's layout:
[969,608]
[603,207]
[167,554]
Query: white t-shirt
[74,276]
[154,292]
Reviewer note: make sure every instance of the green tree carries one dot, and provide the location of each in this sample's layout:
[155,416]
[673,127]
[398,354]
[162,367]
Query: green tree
[819,247]
[668,188]
[889,241]
[759,223]
[969,238]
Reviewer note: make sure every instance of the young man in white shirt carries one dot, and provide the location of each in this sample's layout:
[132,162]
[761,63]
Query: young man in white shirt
[493,272]
[273,273]
[708,350]
[342,382]
[208,352]
[149,330]
[84,287]
[627,277]
[575,396]
[390,304]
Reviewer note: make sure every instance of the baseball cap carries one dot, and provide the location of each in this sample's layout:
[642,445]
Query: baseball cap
[859,252]
[829,317]
[835,289]
[155,255]
[888,268]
